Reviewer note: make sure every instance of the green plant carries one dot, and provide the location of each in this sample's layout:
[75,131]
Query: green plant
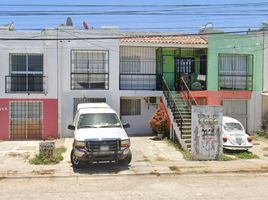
[42,160]
[263,133]
[224,157]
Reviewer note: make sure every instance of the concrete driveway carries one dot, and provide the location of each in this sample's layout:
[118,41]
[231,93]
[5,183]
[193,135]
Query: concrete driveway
[153,157]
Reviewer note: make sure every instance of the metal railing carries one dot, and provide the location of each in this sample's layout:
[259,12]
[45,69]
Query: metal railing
[235,82]
[137,81]
[187,94]
[171,103]
[26,84]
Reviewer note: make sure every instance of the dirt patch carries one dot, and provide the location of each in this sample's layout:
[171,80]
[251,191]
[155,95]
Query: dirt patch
[160,158]
[12,172]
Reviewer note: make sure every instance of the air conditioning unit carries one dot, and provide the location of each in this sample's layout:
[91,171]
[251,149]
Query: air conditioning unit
[152,100]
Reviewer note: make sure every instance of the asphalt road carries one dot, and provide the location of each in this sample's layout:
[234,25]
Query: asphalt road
[210,186]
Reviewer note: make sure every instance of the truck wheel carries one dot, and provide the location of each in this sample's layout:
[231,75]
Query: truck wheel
[75,162]
[127,160]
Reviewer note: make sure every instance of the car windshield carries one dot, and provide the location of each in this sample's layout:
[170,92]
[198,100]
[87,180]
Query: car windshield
[233,126]
[98,120]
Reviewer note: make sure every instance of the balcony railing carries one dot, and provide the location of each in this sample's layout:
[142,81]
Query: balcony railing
[235,82]
[26,84]
[130,81]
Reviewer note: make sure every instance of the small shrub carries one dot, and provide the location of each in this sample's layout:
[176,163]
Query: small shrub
[158,122]
[41,160]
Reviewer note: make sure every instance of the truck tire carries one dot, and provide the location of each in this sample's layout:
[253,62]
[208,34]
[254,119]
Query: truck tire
[127,160]
[75,162]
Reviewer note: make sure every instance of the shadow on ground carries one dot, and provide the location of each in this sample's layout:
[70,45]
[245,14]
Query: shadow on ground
[101,168]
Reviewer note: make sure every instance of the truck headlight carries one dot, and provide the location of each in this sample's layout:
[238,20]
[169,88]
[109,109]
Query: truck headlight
[79,144]
[125,143]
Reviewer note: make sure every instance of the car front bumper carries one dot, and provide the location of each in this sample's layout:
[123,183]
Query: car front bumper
[101,156]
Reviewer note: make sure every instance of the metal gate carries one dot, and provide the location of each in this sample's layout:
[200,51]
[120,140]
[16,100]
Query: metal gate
[236,109]
[26,120]
[86,100]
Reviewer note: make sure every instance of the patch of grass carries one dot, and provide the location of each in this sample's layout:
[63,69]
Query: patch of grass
[263,133]
[39,160]
[245,155]
[14,154]
[155,173]
[174,168]
[186,155]
[224,157]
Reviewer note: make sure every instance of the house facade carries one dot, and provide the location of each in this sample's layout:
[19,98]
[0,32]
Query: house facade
[235,81]
[46,74]
[28,96]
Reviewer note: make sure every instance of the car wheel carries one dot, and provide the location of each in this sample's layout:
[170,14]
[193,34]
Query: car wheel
[75,162]
[127,160]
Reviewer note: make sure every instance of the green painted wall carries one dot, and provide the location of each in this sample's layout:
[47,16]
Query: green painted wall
[250,44]
[169,62]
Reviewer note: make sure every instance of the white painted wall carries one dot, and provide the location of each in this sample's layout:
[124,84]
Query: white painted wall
[265,62]
[139,123]
[254,112]
[47,48]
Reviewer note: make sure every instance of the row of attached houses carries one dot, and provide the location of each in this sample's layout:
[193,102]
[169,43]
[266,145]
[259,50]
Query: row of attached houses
[44,75]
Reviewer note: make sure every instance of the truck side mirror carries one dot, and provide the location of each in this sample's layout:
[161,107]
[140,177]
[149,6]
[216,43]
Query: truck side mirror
[126,125]
[71,127]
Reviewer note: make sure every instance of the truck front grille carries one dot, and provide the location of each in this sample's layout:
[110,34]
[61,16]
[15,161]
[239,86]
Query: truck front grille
[103,145]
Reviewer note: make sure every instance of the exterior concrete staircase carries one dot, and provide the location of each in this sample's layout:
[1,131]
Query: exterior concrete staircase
[185,123]
[179,110]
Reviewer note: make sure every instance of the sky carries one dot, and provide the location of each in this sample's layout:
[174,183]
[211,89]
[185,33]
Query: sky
[139,15]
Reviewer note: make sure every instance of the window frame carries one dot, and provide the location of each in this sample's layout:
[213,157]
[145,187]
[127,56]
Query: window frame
[106,74]
[248,75]
[131,111]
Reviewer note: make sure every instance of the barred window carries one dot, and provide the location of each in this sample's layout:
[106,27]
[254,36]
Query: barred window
[235,71]
[90,70]
[26,119]
[26,73]
[130,107]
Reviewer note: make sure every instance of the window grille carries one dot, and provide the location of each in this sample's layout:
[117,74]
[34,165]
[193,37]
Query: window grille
[89,70]
[130,107]
[26,120]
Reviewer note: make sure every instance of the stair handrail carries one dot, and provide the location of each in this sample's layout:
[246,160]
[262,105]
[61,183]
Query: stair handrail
[170,99]
[189,96]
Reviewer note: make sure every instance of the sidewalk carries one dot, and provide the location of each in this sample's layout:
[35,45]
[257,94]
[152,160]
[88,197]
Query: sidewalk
[149,157]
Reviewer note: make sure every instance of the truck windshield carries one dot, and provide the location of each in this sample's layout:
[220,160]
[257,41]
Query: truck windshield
[98,120]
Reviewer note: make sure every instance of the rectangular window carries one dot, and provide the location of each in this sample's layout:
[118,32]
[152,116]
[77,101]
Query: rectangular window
[26,119]
[130,107]
[26,73]
[137,68]
[89,70]
[235,71]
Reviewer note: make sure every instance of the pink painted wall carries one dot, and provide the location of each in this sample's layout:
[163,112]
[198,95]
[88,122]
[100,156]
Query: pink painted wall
[50,117]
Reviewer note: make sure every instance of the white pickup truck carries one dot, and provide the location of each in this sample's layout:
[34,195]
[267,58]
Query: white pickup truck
[99,136]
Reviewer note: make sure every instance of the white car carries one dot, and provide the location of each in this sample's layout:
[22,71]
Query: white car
[234,135]
[99,136]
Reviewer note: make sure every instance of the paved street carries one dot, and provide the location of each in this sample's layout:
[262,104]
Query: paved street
[224,186]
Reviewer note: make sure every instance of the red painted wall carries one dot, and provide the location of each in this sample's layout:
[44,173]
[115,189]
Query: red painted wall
[50,117]
[215,98]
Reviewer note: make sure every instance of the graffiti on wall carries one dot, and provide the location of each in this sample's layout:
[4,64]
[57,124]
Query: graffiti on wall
[206,132]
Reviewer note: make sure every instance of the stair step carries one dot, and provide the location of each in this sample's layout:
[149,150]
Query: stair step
[188,146]
[188,141]
[186,136]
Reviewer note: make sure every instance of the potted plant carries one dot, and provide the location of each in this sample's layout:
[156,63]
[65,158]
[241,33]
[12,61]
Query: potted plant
[158,123]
